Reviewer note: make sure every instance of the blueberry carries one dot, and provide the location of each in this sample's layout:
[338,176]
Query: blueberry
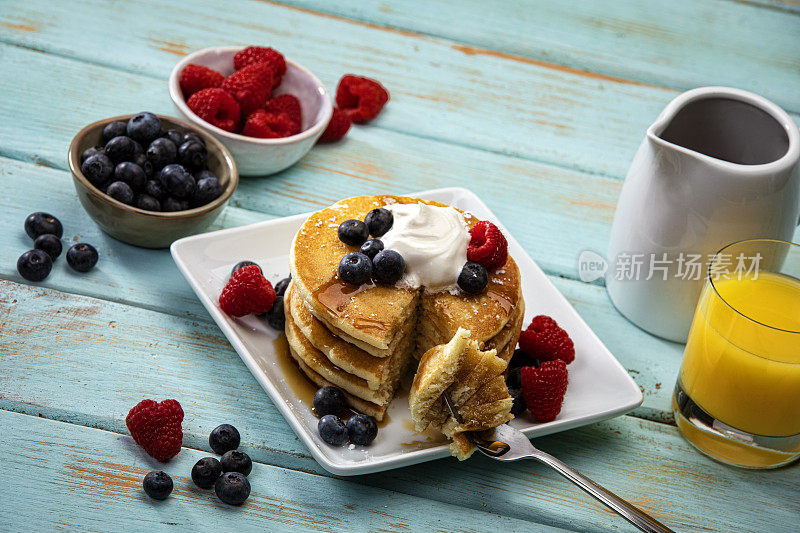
[145,164]
[473,278]
[157,484]
[98,169]
[224,438]
[276,317]
[520,358]
[82,257]
[137,149]
[236,461]
[117,128]
[205,173]
[89,152]
[208,190]
[161,153]
[329,401]
[332,430]
[130,173]
[355,268]
[388,266]
[379,221]
[519,406]
[371,248]
[178,182]
[155,189]
[206,471]
[173,204]
[232,488]
[280,287]
[173,135]
[241,264]
[49,244]
[40,223]
[191,136]
[148,203]
[34,265]
[192,154]
[120,191]
[514,378]
[362,429]
[353,232]
[144,127]
[120,149]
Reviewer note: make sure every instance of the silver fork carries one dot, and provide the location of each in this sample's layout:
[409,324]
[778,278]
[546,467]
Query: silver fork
[505,443]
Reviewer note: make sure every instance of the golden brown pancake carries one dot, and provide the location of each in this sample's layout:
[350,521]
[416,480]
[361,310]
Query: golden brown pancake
[375,315]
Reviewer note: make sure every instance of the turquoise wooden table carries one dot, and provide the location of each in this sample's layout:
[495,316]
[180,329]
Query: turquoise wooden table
[538,107]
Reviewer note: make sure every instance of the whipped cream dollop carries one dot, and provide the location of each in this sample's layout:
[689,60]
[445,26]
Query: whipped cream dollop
[433,242]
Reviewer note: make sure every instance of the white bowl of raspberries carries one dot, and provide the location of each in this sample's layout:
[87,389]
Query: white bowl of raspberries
[267,110]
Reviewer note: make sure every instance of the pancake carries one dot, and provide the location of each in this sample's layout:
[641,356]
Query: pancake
[377,315]
[363,406]
[436,372]
[375,370]
[474,381]
[305,351]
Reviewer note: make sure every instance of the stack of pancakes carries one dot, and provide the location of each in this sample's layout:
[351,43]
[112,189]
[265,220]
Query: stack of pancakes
[363,339]
[474,381]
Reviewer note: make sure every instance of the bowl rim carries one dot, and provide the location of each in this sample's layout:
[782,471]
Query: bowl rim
[176,95]
[74,159]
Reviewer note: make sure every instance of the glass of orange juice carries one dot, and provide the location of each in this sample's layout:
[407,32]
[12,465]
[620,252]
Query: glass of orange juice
[737,398]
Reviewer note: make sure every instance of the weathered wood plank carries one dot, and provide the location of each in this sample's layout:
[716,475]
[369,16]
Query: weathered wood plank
[680,44]
[72,357]
[77,478]
[511,105]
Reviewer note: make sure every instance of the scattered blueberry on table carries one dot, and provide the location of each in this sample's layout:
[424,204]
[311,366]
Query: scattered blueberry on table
[157,484]
[232,488]
[82,257]
[46,231]
[206,471]
[236,461]
[224,438]
[332,430]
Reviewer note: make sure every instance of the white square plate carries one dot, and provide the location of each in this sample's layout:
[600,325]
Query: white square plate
[599,387]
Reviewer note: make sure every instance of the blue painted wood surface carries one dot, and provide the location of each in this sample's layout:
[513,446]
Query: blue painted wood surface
[536,106]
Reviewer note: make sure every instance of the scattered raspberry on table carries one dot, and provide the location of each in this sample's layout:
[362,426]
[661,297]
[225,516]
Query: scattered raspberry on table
[156,427]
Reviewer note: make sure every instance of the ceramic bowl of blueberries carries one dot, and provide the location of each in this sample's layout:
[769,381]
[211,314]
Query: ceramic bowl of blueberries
[149,180]
[256,156]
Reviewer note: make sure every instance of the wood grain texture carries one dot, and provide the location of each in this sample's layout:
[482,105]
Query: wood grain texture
[76,478]
[680,44]
[120,278]
[85,380]
[440,90]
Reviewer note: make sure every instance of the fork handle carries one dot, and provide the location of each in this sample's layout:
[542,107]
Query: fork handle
[632,514]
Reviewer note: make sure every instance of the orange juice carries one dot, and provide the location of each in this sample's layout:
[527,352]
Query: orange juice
[742,359]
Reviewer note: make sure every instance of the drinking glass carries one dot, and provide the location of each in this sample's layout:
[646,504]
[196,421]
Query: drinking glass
[737,397]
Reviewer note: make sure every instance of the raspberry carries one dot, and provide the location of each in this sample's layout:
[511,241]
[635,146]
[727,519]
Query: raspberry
[545,340]
[259,54]
[247,292]
[157,427]
[487,245]
[250,86]
[543,389]
[289,104]
[216,107]
[197,77]
[360,98]
[337,127]
[269,125]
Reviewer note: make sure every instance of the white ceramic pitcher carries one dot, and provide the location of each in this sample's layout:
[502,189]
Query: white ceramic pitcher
[719,165]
